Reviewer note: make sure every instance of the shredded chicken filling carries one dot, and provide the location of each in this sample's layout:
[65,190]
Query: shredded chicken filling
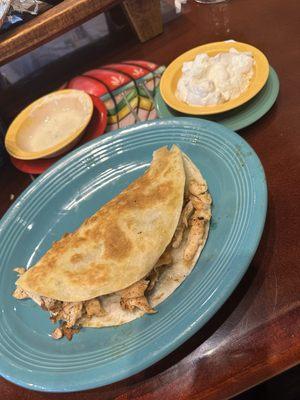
[70,313]
[195,215]
[134,297]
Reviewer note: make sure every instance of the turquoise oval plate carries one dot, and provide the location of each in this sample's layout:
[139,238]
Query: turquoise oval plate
[73,189]
[240,117]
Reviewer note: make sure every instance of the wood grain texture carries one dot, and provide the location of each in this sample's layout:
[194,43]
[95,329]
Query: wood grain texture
[47,26]
[145,17]
[256,334]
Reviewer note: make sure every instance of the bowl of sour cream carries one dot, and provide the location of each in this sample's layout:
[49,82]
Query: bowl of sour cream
[50,126]
[214,78]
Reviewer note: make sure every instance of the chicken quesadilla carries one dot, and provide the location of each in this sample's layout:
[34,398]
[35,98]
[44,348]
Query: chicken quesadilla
[130,255]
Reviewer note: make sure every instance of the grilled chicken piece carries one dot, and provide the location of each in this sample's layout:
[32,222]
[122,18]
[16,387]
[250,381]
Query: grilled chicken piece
[93,308]
[201,207]
[57,333]
[196,188]
[135,290]
[186,213]
[197,203]
[138,302]
[68,332]
[206,198]
[48,304]
[195,237]
[182,224]
[70,313]
[134,297]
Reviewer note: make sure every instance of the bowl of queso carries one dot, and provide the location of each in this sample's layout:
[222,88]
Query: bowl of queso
[50,126]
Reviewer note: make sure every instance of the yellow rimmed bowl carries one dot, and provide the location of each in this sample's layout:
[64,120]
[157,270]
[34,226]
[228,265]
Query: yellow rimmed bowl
[50,126]
[172,74]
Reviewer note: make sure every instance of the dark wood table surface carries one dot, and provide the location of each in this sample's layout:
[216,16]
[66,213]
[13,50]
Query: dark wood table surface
[144,16]
[256,334]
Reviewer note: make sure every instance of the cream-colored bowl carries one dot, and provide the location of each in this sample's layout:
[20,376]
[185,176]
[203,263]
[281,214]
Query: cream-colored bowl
[49,126]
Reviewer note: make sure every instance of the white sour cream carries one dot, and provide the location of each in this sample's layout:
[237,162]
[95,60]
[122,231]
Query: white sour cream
[214,80]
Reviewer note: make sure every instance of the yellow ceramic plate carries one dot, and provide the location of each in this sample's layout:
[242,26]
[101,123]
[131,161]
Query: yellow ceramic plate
[168,83]
[49,126]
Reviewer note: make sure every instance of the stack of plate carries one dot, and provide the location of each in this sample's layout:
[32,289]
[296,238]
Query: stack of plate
[234,114]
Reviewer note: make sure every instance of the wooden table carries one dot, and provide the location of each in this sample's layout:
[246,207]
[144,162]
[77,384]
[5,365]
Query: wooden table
[144,16]
[256,334]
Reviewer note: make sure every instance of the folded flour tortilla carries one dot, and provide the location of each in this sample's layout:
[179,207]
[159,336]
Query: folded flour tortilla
[130,255]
